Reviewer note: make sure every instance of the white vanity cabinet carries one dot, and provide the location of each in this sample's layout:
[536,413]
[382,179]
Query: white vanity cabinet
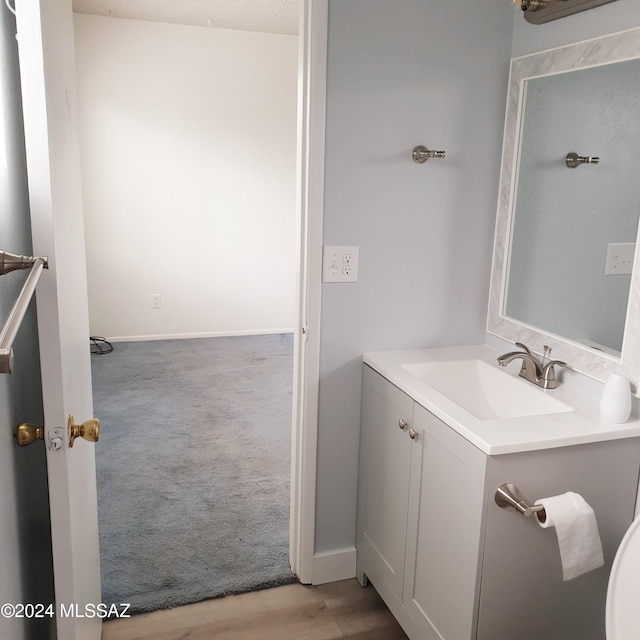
[443,530]
[452,565]
[419,513]
[384,475]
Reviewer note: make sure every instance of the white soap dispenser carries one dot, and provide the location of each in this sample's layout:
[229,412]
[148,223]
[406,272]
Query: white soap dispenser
[615,404]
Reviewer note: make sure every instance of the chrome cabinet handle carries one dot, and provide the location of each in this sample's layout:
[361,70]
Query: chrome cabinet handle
[401,423]
[413,434]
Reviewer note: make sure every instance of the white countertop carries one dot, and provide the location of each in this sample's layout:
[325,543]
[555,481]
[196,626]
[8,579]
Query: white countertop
[508,435]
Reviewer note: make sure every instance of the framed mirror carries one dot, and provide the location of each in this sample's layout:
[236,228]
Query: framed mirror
[565,270]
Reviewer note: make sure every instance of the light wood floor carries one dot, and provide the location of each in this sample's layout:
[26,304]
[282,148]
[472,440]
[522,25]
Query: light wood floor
[293,612]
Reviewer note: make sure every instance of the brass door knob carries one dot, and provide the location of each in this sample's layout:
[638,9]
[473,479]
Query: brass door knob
[89,430]
[27,433]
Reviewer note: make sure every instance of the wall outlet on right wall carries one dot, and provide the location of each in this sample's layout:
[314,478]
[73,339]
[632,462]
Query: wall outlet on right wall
[619,258]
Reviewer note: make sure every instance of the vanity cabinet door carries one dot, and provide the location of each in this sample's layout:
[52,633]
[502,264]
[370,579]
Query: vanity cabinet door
[445,531]
[385,450]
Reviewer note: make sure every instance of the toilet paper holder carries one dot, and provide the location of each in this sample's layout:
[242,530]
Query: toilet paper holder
[508,495]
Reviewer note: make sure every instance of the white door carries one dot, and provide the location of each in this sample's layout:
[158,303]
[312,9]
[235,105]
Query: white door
[45,40]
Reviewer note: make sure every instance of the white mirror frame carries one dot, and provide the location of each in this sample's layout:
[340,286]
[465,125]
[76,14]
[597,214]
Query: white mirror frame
[617,47]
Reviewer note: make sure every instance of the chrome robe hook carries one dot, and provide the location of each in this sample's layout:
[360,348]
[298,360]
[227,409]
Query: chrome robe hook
[421,154]
[574,160]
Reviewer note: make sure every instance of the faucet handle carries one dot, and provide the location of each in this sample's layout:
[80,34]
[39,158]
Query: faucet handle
[551,363]
[523,347]
[549,374]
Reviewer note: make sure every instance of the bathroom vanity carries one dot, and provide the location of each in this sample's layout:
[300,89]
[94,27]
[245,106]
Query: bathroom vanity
[440,433]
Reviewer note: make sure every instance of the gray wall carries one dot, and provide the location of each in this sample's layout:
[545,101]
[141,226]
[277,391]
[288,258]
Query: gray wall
[404,73]
[25,540]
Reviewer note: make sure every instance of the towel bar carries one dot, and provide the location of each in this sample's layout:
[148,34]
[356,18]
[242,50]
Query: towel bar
[11,262]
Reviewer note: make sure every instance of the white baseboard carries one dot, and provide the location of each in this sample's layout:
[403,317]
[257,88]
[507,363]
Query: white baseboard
[188,336]
[332,566]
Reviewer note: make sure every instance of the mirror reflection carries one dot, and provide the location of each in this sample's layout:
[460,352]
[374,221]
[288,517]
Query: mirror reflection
[574,227]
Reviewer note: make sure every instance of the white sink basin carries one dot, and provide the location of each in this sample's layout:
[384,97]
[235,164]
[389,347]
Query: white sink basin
[484,391]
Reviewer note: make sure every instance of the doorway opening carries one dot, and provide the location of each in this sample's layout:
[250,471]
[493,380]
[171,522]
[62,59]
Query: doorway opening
[188,139]
[46,33]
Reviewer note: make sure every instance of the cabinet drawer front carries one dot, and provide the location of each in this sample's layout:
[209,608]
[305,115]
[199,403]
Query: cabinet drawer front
[444,530]
[385,450]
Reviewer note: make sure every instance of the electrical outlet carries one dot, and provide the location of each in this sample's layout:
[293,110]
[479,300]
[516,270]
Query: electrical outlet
[340,264]
[619,258]
[156,301]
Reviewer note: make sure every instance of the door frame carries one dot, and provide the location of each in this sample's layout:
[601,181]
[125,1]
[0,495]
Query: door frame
[312,69]
[312,77]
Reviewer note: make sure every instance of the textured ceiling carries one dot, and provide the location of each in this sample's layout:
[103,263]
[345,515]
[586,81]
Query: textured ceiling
[267,16]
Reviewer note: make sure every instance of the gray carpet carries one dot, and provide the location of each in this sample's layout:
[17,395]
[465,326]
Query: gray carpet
[193,468]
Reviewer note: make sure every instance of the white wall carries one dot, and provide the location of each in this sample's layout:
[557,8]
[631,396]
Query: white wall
[188,146]
[404,73]
[25,538]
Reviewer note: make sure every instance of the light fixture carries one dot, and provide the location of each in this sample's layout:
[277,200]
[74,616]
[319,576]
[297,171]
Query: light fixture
[540,11]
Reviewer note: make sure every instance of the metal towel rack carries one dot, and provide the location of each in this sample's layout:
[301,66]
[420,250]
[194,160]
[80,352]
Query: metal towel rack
[12,262]
[507,495]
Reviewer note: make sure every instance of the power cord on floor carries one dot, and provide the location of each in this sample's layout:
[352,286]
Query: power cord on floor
[100,346]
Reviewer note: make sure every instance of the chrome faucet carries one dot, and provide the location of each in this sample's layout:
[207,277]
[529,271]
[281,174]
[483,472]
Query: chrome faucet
[541,374]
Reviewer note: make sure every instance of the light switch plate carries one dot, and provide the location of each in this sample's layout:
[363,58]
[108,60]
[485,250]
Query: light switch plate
[340,263]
